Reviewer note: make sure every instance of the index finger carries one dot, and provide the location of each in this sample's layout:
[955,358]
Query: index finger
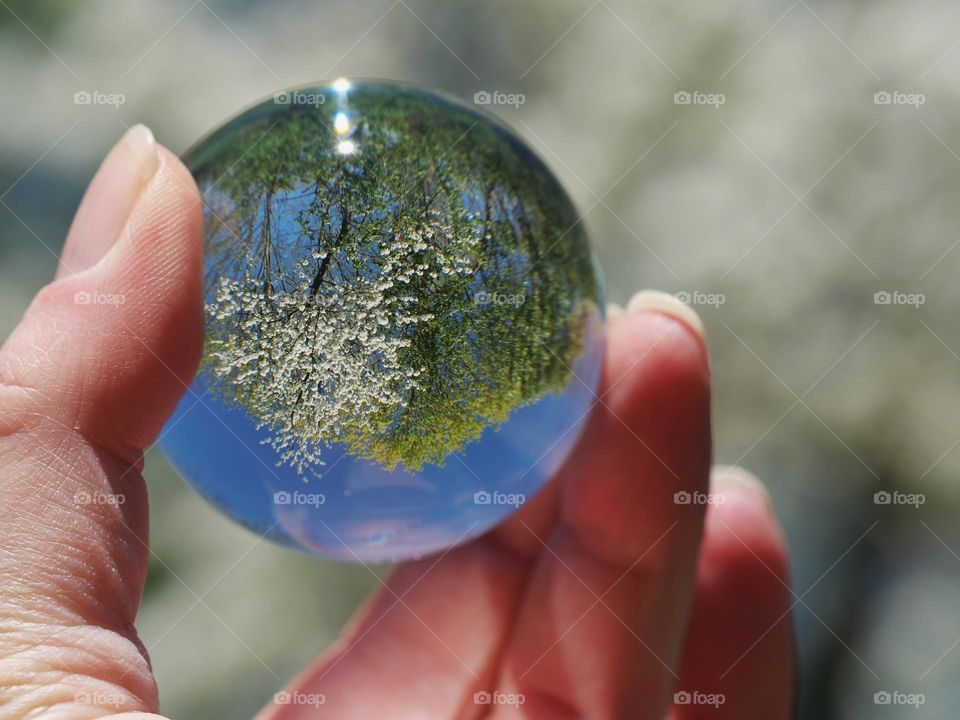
[602,623]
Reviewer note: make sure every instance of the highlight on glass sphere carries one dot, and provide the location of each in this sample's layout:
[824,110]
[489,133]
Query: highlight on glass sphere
[404,328]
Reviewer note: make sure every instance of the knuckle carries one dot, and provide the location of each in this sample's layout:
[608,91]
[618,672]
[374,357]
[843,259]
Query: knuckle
[67,670]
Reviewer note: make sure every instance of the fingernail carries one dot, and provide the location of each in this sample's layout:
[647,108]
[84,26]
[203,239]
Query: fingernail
[736,475]
[141,158]
[108,202]
[143,152]
[614,311]
[661,302]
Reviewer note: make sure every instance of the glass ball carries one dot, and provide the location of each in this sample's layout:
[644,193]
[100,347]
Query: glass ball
[404,324]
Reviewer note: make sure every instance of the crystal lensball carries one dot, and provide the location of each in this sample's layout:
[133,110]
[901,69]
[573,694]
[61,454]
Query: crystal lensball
[404,326]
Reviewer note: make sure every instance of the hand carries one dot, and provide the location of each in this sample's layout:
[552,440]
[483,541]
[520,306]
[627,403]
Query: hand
[600,599]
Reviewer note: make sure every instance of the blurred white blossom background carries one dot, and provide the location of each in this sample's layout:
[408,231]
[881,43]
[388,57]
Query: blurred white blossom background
[792,168]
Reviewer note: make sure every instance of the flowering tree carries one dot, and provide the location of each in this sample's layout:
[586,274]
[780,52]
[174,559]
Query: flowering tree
[397,295]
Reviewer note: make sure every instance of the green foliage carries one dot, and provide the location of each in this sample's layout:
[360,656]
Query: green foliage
[398,294]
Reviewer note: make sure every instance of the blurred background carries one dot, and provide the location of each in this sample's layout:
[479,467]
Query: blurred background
[792,169]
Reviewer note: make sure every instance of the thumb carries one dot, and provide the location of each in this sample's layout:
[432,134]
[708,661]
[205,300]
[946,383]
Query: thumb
[87,380]
[110,346]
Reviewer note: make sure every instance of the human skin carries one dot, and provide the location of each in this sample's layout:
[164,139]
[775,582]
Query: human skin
[600,599]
